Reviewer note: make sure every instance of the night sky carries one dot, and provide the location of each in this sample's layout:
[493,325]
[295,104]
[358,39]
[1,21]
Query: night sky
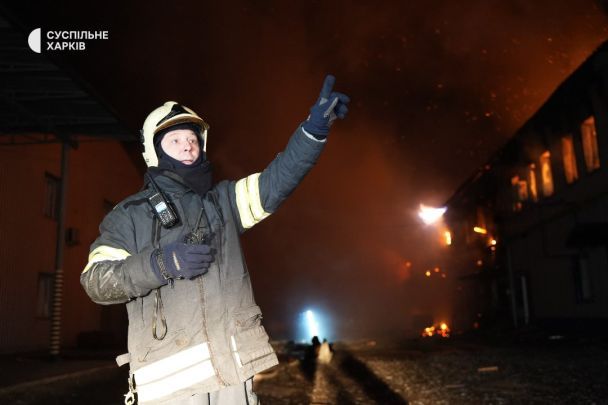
[436,87]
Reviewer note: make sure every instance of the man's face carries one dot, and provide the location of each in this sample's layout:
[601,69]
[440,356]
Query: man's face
[182,145]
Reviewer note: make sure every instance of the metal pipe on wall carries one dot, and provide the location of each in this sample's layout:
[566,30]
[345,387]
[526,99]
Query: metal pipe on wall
[55,331]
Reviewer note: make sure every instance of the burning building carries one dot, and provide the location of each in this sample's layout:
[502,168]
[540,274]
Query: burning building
[529,229]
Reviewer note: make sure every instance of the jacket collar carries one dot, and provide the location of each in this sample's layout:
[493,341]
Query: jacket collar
[168,181]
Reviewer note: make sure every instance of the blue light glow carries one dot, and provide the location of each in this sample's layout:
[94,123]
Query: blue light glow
[313,326]
[313,322]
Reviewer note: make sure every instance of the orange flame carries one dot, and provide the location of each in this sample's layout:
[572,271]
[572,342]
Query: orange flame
[441,330]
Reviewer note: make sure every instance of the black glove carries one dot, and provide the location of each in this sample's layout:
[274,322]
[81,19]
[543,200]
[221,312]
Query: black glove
[181,260]
[329,106]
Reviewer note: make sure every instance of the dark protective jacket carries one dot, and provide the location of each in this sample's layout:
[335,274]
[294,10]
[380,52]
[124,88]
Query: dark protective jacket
[203,334]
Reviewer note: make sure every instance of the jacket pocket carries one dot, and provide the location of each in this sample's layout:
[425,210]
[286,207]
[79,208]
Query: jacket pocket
[248,318]
[147,349]
[250,340]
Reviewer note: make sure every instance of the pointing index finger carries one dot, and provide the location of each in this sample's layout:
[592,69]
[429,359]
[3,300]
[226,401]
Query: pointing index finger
[328,85]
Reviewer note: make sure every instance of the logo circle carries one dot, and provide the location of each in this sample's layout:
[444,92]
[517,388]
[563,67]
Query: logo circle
[34,40]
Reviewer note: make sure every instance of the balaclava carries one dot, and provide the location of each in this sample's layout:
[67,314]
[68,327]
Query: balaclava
[198,175]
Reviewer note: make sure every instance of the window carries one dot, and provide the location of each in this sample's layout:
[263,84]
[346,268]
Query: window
[590,148]
[569,156]
[45,295]
[546,175]
[532,182]
[447,238]
[52,188]
[520,192]
[71,236]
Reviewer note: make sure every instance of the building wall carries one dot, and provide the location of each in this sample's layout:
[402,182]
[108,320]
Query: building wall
[99,171]
[543,255]
[538,236]
[539,262]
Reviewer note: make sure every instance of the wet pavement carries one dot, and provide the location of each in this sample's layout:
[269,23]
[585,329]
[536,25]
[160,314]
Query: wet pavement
[368,372]
[475,374]
[446,372]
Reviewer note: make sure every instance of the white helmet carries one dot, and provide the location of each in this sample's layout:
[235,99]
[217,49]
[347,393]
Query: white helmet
[165,116]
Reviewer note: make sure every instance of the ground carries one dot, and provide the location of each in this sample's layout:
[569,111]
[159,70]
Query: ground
[447,371]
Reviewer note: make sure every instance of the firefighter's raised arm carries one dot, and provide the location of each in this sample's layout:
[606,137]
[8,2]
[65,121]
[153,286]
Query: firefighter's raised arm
[256,196]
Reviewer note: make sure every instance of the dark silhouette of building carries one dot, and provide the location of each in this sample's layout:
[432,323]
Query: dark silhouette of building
[529,229]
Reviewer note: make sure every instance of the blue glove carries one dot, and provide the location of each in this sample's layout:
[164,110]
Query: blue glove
[329,106]
[181,260]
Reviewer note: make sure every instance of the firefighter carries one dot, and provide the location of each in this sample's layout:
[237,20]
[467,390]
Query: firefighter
[171,252]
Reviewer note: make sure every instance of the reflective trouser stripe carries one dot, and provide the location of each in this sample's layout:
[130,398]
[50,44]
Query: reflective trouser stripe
[248,201]
[174,373]
[235,351]
[102,253]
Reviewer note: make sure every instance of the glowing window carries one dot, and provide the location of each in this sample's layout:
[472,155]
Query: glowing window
[569,156]
[590,148]
[521,188]
[447,237]
[520,192]
[532,182]
[546,175]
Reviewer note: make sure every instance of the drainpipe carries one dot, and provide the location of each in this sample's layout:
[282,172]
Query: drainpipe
[55,332]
